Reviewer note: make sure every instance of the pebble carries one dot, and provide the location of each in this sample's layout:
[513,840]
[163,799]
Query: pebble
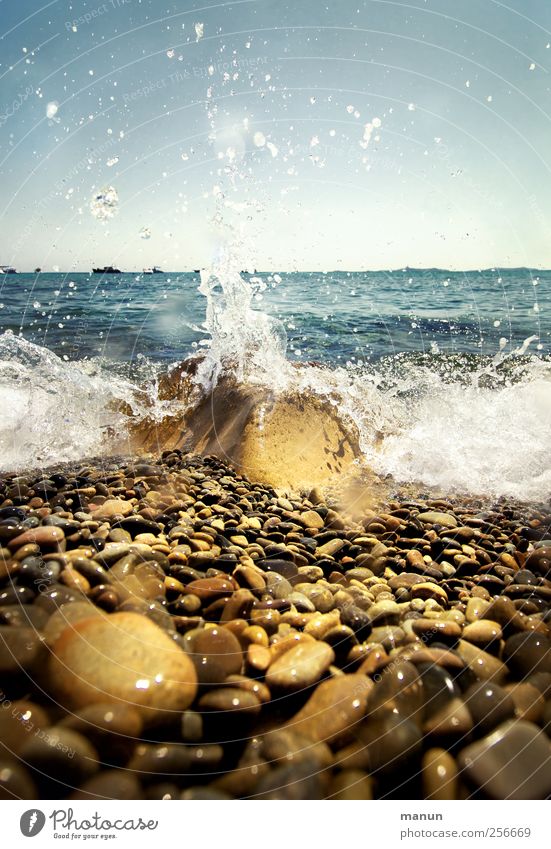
[111,508]
[489,705]
[333,709]
[45,537]
[439,775]
[22,650]
[482,632]
[110,784]
[124,658]
[171,602]
[527,652]
[300,667]
[484,666]
[216,653]
[433,517]
[15,781]
[61,754]
[351,785]
[488,763]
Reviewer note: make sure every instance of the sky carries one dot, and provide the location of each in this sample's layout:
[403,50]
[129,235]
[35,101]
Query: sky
[292,134]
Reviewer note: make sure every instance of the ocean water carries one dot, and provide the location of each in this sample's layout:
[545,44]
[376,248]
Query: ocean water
[446,375]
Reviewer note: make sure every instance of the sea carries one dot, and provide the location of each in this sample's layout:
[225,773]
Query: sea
[450,370]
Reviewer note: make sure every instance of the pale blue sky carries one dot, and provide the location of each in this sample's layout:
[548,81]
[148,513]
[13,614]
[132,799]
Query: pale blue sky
[370,134]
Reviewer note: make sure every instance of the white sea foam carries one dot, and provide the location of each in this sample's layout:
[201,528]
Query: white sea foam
[468,429]
[53,411]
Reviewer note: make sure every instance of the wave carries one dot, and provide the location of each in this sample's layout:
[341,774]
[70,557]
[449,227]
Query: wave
[457,423]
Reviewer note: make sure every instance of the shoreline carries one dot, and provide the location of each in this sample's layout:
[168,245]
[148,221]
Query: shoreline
[245,643]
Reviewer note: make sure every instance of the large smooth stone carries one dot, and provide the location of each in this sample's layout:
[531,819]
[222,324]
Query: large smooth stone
[216,653]
[527,652]
[513,762]
[334,708]
[112,507]
[122,658]
[489,705]
[439,775]
[485,666]
[434,517]
[61,754]
[15,781]
[300,666]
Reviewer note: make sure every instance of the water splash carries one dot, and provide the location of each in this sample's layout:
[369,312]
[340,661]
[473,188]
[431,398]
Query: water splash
[53,411]
[244,342]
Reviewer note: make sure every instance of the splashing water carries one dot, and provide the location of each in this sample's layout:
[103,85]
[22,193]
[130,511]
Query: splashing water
[456,425]
[244,342]
[52,411]
[105,204]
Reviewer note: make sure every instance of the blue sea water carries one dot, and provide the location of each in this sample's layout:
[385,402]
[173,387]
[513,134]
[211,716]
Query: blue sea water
[446,376]
[333,318]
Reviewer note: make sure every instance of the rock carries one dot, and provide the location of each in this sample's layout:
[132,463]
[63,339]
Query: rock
[19,720]
[485,666]
[452,719]
[208,589]
[22,650]
[433,517]
[438,687]
[60,754]
[529,702]
[15,781]
[391,742]
[439,775]
[489,705]
[399,690]
[216,653]
[232,702]
[302,780]
[482,632]
[311,519]
[539,561]
[334,709]
[124,658]
[111,508]
[476,608]
[434,630]
[427,589]
[510,763]
[67,616]
[330,548]
[110,784]
[136,525]
[527,652]
[351,785]
[44,536]
[112,728]
[300,667]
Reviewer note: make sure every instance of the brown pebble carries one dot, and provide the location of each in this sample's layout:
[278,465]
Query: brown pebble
[351,785]
[488,762]
[334,709]
[123,657]
[300,667]
[439,775]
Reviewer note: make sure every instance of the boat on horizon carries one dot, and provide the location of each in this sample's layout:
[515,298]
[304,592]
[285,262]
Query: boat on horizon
[155,270]
[7,269]
[108,269]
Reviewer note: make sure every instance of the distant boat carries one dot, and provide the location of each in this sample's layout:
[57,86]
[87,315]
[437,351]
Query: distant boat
[108,269]
[37,270]
[155,270]
[7,269]
[197,271]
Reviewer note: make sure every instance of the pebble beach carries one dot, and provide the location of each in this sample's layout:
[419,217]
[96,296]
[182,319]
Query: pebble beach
[170,629]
